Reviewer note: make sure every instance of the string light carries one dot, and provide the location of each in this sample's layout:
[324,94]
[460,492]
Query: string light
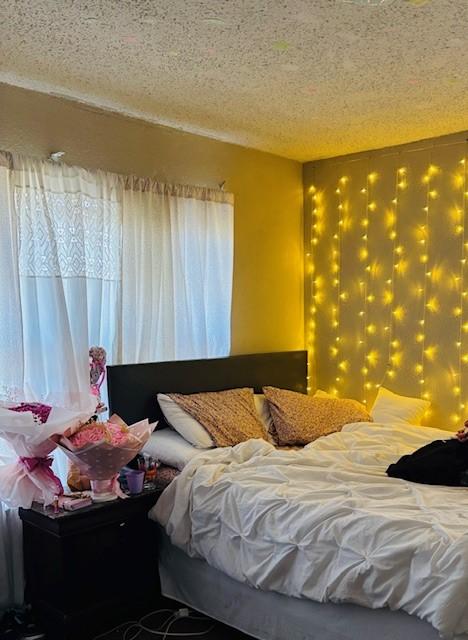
[430,304]
[400,182]
[367,329]
[341,296]
[462,358]
[384,305]
[315,293]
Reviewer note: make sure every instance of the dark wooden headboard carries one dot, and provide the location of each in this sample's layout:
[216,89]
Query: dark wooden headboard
[132,388]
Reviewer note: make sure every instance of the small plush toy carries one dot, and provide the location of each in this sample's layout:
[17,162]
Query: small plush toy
[97,374]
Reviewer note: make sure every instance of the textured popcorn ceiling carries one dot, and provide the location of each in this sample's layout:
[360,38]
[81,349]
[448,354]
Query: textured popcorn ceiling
[304,79]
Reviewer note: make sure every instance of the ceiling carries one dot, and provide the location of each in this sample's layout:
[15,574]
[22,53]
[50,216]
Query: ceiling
[304,79]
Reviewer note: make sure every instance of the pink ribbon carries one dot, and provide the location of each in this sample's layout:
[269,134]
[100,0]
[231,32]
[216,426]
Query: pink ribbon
[44,464]
[116,488]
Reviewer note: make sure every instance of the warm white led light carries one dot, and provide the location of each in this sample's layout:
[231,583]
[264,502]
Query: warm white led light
[361,292]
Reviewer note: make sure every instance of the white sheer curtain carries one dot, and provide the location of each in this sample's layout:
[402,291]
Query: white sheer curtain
[11,556]
[176,272]
[11,379]
[60,259]
[69,229]
[91,258]
[11,342]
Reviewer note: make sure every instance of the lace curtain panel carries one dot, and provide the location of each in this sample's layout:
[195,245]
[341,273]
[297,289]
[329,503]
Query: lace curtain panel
[88,257]
[68,225]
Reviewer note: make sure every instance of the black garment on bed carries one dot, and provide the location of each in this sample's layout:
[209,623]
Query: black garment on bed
[441,462]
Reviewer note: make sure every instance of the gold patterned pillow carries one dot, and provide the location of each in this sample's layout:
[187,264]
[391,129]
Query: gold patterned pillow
[229,416]
[300,419]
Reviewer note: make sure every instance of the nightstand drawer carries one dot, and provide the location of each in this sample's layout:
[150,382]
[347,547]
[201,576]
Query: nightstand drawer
[84,565]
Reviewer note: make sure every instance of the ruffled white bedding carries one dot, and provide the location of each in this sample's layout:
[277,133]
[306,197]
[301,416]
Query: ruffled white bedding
[326,523]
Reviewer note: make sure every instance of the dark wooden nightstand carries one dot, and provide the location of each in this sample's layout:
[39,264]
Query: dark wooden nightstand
[91,569]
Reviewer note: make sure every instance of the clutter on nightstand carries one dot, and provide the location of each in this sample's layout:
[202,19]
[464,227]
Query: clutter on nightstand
[74,501]
[143,467]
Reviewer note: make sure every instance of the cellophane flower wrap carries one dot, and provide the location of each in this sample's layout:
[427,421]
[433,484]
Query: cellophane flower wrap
[101,449]
[29,429]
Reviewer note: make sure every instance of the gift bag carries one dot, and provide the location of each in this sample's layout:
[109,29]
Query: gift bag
[76,479]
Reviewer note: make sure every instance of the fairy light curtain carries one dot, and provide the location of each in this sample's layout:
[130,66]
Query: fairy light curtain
[387,288]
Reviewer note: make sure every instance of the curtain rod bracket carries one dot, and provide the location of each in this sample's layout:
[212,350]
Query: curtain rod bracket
[56,156]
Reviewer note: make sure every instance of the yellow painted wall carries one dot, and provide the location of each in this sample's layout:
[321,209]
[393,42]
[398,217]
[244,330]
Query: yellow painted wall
[267,311]
[387,282]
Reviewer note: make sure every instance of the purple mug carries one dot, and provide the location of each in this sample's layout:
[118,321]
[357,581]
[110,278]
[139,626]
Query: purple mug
[135,481]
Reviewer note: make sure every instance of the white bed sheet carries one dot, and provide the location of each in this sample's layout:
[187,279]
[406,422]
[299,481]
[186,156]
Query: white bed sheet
[267,615]
[326,523]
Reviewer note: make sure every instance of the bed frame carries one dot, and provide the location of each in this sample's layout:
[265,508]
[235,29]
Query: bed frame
[132,388]
[264,615]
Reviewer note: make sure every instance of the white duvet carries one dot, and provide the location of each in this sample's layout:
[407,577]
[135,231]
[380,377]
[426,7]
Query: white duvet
[326,523]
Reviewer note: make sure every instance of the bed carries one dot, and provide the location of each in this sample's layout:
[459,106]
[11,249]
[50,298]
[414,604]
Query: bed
[246,578]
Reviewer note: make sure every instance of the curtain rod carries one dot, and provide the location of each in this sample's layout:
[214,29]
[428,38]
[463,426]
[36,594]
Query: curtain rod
[215,194]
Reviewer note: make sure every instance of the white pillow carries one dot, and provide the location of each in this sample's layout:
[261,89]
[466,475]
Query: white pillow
[170,448]
[390,407]
[189,428]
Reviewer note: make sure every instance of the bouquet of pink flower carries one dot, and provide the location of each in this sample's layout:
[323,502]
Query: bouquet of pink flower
[101,449]
[28,428]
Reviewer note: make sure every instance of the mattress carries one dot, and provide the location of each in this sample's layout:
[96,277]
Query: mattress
[267,615]
[326,524]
